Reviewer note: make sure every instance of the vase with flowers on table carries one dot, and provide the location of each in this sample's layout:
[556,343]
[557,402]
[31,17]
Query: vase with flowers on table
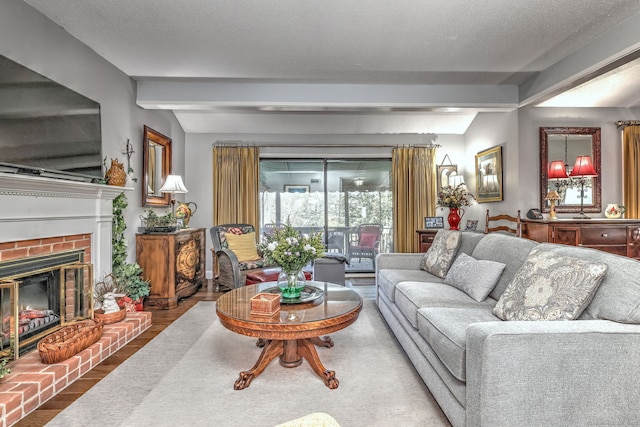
[455,198]
[291,250]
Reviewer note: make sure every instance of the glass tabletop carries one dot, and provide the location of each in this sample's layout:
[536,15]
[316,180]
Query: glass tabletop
[335,301]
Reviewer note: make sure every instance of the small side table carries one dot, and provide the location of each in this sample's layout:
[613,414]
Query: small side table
[174,264]
[425,238]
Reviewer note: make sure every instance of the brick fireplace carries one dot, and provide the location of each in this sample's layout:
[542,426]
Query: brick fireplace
[45,284]
[42,216]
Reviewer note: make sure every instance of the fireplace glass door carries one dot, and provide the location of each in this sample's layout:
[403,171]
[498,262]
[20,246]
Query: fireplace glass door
[36,304]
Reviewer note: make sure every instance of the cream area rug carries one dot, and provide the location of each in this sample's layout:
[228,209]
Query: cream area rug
[185,377]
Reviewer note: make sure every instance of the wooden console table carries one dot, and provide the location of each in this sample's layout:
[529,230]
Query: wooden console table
[617,236]
[173,262]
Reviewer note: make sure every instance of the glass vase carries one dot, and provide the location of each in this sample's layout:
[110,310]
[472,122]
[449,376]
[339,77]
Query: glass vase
[291,283]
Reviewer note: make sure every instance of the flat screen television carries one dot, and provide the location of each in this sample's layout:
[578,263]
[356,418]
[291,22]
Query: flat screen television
[47,129]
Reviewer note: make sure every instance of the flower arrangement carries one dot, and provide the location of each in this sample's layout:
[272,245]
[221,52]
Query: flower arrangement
[290,249]
[455,197]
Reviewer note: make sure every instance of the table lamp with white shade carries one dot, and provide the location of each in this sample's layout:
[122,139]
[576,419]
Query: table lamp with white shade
[173,185]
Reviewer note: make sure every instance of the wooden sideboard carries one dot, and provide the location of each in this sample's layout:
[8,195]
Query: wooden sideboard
[425,238]
[617,236]
[174,263]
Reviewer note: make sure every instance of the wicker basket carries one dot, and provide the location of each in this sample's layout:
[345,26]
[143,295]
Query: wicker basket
[109,318]
[264,304]
[116,174]
[68,341]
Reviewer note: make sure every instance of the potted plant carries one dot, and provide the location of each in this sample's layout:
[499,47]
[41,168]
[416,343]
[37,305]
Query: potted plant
[163,223]
[128,276]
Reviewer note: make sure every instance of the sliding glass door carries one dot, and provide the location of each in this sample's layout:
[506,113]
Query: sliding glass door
[334,197]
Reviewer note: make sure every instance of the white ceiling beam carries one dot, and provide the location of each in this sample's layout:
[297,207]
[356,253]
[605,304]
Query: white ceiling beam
[318,124]
[612,49]
[204,95]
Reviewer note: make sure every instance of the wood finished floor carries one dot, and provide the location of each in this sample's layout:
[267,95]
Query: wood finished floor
[160,320]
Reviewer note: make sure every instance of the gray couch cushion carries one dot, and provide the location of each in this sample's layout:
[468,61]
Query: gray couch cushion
[618,297]
[442,252]
[550,286]
[412,296]
[388,278]
[469,241]
[475,277]
[445,329]
[507,249]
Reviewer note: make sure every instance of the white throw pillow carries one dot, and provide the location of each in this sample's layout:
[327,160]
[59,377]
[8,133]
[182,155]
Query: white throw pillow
[475,277]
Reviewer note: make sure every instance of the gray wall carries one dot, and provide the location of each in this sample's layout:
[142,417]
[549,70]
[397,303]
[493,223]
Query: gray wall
[490,130]
[518,132]
[27,37]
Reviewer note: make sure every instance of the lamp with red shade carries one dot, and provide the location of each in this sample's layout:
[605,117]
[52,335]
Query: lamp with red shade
[583,169]
[557,172]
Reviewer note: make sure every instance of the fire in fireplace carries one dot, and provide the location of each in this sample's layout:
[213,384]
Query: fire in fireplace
[40,294]
[38,303]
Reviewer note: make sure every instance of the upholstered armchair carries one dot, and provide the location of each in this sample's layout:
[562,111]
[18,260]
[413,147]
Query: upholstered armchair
[235,253]
[366,243]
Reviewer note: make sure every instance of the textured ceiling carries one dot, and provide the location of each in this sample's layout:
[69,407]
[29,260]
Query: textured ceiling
[419,42]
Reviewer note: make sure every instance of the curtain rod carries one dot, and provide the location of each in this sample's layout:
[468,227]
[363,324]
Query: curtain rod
[327,145]
[621,123]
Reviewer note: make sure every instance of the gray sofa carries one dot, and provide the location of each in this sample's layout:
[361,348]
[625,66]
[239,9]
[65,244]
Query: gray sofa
[484,371]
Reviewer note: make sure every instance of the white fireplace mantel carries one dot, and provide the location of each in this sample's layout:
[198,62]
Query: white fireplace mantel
[36,207]
[27,185]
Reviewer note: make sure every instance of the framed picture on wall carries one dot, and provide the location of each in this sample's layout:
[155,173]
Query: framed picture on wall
[433,222]
[297,188]
[472,225]
[489,175]
[444,172]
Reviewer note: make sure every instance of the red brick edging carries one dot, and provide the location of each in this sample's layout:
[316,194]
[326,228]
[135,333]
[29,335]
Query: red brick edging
[31,382]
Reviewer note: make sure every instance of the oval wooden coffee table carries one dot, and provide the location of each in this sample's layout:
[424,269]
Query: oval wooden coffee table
[293,333]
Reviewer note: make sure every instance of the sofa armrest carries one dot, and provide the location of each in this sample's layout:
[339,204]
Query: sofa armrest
[553,373]
[400,261]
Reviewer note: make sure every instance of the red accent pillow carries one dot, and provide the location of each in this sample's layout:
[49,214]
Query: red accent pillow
[367,239]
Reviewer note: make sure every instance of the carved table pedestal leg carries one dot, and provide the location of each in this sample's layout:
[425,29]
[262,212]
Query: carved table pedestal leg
[270,351]
[291,353]
[306,349]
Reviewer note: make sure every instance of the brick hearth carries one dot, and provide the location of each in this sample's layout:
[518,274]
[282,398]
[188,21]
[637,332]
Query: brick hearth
[31,383]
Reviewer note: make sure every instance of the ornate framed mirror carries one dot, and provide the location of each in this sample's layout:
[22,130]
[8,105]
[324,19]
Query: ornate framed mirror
[156,166]
[565,144]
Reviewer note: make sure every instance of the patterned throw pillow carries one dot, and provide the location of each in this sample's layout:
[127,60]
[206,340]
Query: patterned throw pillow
[475,277]
[549,286]
[442,252]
